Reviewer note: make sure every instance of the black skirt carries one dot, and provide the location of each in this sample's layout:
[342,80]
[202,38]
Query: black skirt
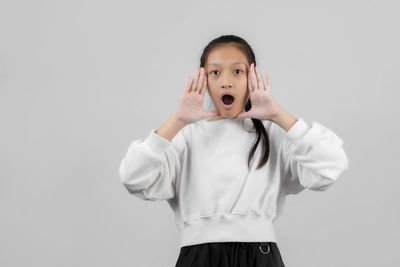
[230,254]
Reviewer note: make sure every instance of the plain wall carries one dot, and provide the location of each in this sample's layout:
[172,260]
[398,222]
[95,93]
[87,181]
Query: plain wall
[80,80]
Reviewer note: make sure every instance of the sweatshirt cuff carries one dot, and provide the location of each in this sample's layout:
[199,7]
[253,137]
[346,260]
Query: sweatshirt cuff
[298,130]
[157,143]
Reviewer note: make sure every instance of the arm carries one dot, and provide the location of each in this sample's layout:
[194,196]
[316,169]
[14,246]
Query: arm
[284,119]
[150,166]
[312,155]
[170,128]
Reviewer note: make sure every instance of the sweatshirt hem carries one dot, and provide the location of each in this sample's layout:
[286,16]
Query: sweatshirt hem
[227,228]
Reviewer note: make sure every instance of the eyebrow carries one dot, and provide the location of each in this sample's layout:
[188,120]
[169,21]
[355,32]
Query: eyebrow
[234,63]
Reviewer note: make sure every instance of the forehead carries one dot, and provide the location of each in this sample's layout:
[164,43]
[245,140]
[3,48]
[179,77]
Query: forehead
[226,55]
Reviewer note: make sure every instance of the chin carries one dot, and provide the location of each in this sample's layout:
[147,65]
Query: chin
[228,115]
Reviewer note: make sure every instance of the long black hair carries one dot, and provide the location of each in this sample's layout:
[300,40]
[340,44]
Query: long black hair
[243,46]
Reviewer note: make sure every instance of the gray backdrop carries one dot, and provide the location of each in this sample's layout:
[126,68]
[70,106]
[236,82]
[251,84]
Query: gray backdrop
[80,80]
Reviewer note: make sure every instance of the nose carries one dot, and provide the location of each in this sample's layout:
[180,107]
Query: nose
[225,83]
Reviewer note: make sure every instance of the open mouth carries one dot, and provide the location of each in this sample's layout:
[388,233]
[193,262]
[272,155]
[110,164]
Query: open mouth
[227,99]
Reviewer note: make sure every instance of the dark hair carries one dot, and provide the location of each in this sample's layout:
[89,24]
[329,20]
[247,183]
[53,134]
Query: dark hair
[242,45]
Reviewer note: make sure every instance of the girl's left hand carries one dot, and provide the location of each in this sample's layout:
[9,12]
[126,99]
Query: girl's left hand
[263,105]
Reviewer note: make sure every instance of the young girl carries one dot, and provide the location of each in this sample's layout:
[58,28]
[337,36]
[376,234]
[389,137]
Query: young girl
[225,198]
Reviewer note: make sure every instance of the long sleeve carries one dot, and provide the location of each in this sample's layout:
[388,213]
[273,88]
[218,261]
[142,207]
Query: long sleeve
[151,165]
[313,157]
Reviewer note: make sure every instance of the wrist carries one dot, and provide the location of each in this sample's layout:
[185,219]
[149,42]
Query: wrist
[278,115]
[178,121]
[284,119]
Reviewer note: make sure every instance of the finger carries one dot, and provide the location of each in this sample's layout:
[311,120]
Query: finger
[200,82]
[205,86]
[253,78]
[237,116]
[265,84]
[259,79]
[243,115]
[194,82]
[213,113]
[187,86]
[268,81]
[249,81]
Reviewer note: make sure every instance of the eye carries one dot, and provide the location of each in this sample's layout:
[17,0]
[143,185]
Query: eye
[212,71]
[239,70]
[235,70]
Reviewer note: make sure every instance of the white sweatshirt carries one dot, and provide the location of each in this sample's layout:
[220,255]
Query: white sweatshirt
[204,176]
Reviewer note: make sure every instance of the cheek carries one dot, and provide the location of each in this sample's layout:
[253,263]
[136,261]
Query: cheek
[243,81]
[210,86]
[213,93]
[244,87]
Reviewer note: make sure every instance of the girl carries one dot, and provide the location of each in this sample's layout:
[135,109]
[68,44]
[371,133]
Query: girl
[225,201]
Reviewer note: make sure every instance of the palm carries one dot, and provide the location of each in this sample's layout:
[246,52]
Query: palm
[190,107]
[263,105]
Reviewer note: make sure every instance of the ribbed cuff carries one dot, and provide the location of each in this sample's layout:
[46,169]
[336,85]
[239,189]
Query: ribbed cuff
[298,130]
[156,143]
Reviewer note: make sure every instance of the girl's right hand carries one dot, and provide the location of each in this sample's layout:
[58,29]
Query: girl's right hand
[190,108]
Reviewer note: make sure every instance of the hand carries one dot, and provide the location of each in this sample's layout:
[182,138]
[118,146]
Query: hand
[190,108]
[263,105]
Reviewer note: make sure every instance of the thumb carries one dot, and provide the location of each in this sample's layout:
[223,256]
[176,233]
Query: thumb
[212,113]
[242,115]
